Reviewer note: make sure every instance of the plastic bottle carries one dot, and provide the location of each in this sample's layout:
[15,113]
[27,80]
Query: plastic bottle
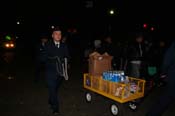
[126,79]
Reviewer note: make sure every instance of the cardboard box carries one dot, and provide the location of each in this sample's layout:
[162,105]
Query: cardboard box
[99,63]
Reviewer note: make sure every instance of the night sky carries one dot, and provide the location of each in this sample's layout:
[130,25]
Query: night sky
[37,17]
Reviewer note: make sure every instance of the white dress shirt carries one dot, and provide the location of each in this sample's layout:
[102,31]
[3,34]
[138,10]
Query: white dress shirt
[57,44]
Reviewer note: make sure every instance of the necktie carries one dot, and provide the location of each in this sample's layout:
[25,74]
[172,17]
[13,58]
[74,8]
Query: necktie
[140,49]
[57,45]
[43,44]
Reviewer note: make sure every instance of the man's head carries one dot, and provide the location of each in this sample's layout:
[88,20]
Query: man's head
[161,43]
[108,39]
[139,39]
[97,43]
[44,39]
[56,34]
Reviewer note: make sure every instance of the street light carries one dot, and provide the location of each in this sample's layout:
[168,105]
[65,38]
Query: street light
[52,27]
[111,12]
[17,22]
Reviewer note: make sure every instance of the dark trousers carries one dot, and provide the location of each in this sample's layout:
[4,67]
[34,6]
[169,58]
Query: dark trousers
[159,107]
[54,83]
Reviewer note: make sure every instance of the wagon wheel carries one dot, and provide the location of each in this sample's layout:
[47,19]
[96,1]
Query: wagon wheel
[88,97]
[117,109]
[133,106]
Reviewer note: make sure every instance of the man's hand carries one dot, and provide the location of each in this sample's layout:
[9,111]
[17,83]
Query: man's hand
[162,76]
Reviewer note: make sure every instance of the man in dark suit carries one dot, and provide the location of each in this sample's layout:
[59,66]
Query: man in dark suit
[136,56]
[54,57]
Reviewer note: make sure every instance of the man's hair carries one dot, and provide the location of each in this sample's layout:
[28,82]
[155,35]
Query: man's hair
[56,29]
[43,37]
[139,34]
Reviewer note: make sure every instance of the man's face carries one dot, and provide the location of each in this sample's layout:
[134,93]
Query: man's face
[56,35]
[108,40]
[44,40]
[162,44]
[139,39]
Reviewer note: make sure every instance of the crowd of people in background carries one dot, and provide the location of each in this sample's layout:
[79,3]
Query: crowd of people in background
[140,57]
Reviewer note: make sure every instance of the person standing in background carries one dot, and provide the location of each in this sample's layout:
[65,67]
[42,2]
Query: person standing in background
[136,56]
[40,64]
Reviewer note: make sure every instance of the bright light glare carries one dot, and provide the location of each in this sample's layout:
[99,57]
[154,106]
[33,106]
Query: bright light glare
[111,12]
[11,45]
[7,45]
[17,22]
[52,27]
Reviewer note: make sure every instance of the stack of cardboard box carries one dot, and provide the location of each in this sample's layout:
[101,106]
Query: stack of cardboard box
[99,63]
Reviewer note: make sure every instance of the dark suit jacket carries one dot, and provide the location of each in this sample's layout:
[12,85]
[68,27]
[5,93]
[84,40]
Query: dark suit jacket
[52,54]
